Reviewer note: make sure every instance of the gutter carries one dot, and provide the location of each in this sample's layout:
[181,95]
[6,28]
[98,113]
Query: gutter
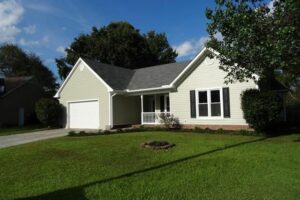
[164,87]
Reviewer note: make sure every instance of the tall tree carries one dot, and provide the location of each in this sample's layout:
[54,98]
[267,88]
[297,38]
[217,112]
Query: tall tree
[160,49]
[256,38]
[15,62]
[119,44]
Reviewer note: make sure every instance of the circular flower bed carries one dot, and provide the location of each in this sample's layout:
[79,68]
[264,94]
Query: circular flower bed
[157,145]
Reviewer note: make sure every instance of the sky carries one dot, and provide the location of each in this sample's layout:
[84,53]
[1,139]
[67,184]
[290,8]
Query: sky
[46,28]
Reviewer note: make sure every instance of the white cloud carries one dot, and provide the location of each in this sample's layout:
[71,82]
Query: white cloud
[45,39]
[8,33]
[61,49]
[184,48]
[46,8]
[190,47]
[49,61]
[31,29]
[219,36]
[10,15]
[25,42]
[271,5]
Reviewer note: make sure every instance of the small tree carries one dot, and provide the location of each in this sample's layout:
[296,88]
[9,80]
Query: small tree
[254,39]
[261,109]
[48,111]
[169,121]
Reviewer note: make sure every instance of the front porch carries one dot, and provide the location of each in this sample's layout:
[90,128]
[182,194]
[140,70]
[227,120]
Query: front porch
[152,106]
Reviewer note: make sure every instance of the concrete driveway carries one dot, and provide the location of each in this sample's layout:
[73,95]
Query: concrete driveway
[12,140]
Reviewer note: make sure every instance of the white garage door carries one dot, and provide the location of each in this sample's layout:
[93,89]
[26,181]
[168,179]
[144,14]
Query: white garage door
[84,115]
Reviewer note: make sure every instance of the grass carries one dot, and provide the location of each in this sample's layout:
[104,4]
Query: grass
[200,166]
[19,130]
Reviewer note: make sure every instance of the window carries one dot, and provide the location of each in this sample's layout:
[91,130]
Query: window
[215,103]
[209,103]
[203,104]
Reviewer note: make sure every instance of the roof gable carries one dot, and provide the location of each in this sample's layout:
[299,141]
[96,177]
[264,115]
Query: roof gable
[80,61]
[117,78]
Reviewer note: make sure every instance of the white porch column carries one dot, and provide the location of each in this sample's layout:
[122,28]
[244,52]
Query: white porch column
[111,110]
[142,109]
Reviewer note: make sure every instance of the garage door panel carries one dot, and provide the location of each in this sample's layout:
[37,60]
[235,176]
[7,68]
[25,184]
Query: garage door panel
[84,115]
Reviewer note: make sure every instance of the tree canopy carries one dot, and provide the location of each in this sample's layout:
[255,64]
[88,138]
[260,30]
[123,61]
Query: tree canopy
[256,38]
[15,62]
[119,44]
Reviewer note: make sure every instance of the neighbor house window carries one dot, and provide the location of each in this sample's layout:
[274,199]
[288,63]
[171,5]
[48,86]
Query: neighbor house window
[209,103]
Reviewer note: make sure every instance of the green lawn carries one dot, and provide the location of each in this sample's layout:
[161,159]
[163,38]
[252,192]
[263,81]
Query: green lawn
[19,130]
[200,166]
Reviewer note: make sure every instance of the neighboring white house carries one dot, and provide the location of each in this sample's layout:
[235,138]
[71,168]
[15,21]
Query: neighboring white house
[102,96]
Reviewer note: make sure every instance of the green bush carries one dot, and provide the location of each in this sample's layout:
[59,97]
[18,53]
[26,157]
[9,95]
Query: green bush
[261,109]
[48,111]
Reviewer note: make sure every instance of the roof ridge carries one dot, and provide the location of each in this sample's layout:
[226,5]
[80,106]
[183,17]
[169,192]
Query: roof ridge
[99,62]
[163,64]
[124,78]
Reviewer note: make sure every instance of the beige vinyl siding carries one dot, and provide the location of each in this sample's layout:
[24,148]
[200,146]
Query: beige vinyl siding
[84,85]
[208,75]
[126,110]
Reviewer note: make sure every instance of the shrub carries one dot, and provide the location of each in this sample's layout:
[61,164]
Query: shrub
[169,121]
[48,111]
[261,109]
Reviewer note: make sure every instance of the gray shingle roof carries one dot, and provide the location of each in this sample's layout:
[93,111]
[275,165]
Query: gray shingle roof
[120,78]
[12,83]
[116,77]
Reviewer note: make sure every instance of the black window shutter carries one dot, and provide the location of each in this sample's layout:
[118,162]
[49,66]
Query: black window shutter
[193,103]
[226,102]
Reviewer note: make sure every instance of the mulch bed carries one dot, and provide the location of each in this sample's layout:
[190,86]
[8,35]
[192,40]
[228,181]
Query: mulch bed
[157,145]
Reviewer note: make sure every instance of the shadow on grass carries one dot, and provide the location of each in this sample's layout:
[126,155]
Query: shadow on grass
[78,192]
[286,129]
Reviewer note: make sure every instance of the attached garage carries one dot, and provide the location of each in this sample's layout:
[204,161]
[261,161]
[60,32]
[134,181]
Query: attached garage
[84,114]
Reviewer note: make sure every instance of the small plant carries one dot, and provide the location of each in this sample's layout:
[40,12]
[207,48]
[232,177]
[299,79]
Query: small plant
[82,133]
[106,132]
[169,121]
[72,133]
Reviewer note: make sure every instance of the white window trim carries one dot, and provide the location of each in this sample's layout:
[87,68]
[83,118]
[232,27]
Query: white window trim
[208,90]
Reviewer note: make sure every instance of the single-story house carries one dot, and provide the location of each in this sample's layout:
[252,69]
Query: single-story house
[101,96]
[18,96]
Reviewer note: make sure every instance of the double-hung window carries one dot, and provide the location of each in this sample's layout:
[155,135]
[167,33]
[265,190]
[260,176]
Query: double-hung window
[209,103]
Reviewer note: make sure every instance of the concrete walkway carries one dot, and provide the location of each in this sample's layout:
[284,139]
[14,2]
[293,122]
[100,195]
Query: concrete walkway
[12,140]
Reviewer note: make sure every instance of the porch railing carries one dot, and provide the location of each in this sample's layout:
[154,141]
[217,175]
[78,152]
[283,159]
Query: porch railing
[152,117]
